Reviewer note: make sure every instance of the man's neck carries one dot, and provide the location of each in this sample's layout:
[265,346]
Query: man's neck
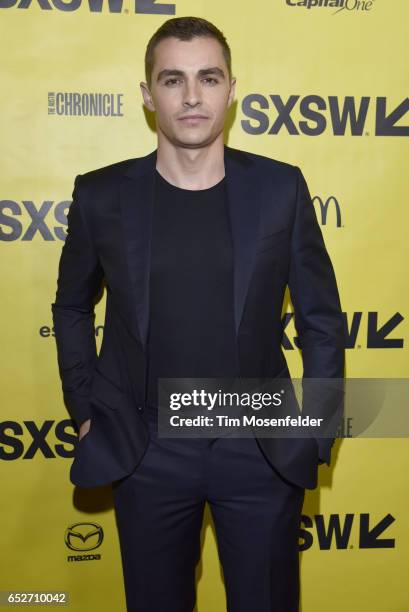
[190,168]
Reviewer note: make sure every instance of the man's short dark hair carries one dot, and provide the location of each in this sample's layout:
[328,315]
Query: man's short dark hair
[184,28]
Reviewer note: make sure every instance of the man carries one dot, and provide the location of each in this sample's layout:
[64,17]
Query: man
[195,243]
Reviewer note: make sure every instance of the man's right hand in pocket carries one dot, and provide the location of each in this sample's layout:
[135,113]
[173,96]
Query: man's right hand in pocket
[84,428]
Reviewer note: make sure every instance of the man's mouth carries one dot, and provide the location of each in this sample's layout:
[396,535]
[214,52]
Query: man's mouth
[192,117]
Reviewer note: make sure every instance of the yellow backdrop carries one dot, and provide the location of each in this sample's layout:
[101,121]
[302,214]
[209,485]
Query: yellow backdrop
[70,102]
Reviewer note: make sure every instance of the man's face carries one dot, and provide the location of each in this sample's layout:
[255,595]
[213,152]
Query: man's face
[190,90]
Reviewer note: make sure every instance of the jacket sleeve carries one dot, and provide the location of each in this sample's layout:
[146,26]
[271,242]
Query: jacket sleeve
[319,320]
[79,281]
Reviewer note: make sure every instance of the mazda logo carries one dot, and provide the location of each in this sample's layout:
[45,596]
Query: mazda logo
[84,536]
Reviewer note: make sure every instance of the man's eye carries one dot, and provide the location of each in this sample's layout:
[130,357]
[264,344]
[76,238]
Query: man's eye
[210,80]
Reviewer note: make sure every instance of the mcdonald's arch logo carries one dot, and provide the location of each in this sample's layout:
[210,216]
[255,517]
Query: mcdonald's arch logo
[325,205]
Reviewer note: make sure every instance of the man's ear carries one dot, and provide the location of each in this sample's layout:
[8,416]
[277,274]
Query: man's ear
[232,92]
[147,97]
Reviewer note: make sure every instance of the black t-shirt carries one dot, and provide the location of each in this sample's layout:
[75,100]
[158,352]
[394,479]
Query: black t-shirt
[191,332]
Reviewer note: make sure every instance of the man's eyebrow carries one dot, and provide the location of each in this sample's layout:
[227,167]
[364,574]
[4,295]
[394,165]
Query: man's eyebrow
[204,71]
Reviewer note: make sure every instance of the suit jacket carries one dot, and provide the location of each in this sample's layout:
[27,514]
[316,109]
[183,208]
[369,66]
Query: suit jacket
[277,241]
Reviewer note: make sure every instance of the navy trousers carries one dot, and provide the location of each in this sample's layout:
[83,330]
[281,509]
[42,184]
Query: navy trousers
[159,511]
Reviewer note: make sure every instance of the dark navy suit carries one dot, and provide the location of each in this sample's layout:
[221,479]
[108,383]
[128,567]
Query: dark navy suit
[277,242]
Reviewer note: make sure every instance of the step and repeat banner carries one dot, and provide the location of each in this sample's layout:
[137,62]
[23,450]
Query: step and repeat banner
[321,85]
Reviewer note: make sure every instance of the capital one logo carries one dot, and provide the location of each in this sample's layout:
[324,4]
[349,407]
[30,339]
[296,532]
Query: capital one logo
[337,532]
[340,115]
[145,7]
[340,5]
[84,536]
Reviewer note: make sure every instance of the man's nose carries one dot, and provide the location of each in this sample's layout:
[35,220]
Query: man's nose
[192,95]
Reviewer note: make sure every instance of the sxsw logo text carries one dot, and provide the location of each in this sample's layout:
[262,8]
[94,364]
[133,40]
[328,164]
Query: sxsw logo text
[362,330]
[30,440]
[144,7]
[341,116]
[26,220]
[374,329]
[376,333]
[336,532]
[47,221]
[85,104]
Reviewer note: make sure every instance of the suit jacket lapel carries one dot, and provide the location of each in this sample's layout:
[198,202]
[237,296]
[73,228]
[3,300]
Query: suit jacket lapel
[243,193]
[137,199]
